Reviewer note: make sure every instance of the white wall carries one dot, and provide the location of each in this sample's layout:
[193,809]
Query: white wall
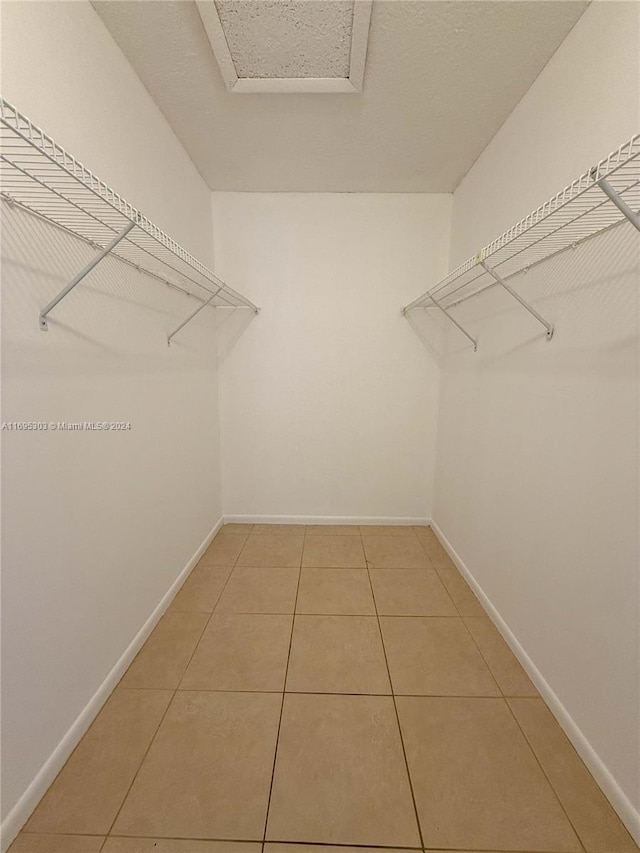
[537,466]
[96,526]
[328,401]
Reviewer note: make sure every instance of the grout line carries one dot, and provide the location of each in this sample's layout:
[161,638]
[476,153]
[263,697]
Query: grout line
[281,842]
[395,706]
[503,697]
[146,752]
[284,692]
[544,773]
[284,688]
[336,693]
[484,659]
[373,615]
[118,687]
[173,695]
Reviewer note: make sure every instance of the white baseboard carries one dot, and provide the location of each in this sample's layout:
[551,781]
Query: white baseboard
[324,519]
[627,812]
[23,809]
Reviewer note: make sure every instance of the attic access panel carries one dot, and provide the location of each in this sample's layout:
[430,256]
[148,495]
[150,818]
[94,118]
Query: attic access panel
[287,46]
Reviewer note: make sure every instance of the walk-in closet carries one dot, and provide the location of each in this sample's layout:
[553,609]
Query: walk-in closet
[320,426]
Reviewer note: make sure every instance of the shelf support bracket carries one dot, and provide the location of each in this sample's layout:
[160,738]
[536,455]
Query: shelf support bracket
[93,263]
[548,326]
[455,322]
[192,315]
[620,203]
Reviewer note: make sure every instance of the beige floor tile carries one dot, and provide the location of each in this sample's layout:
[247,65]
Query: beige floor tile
[241,652]
[235,527]
[340,776]
[170,845]
[439,559]
[28,842]
[333,552]
[411,592]
[272,551]
[395,552]
[434,656]
[461,593]
[425,533]
[337,654]
[333,529]
[386,530]
[163,659]
[436,552]
[208,771]
[259,591]
[434,548]
[502,662]
[279,529]
[201,590]
[598,826]
[90,788]
[224,550]
[476,781]
[335,591]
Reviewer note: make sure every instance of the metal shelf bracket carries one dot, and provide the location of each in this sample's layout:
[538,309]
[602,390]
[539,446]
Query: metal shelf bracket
[197,311]
[620,203]
[191,316]
[42,320]
[455,323]
[548,326]
[41,177]
[589,205]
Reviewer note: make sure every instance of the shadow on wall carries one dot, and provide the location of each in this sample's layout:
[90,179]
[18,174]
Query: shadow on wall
[230,324]
[431,330]
[570,290]
[116,310]
[588,293]
[47,252]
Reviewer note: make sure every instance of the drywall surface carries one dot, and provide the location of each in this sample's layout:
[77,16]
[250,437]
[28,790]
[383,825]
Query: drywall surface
[584,104]
[328,401]
[537,467]
[96,524]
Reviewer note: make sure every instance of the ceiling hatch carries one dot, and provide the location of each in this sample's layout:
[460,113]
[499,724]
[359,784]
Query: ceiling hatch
[289,45]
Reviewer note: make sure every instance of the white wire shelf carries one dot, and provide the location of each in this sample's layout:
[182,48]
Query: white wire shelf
[39,175]
[604,196]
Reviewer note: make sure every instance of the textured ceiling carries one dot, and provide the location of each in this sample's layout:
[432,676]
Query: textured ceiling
[440,79]
[288,38]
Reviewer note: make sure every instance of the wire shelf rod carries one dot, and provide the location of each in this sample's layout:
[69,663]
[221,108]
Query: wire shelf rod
[569,244]
[43,208]
[620,167]
[493,283]
[39,175]
[573,215]
[88,241]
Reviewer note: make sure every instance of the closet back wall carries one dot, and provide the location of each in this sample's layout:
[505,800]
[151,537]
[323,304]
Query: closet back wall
[96,526]
[328,400]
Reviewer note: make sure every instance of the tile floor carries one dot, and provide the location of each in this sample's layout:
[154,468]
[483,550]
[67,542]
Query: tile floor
[335,686]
